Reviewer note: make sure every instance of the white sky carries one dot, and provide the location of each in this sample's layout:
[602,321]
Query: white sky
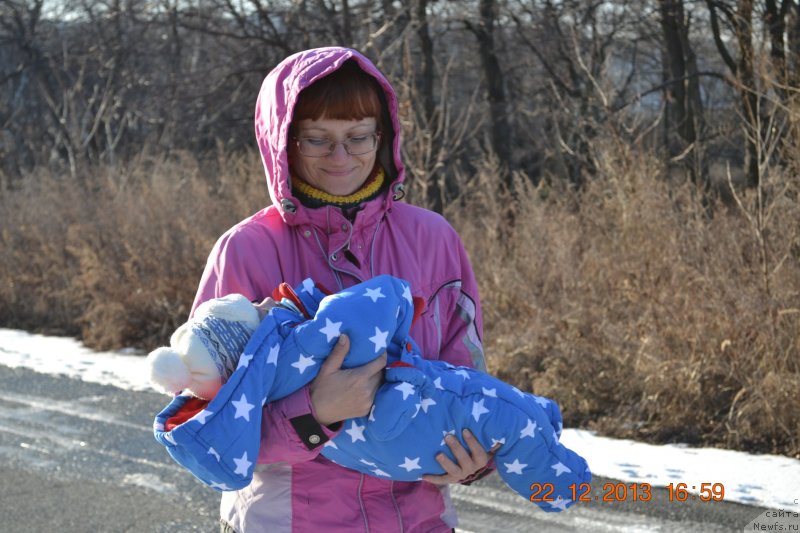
[766,480]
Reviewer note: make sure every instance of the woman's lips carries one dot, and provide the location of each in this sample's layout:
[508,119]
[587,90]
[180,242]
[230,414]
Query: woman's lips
[339,173]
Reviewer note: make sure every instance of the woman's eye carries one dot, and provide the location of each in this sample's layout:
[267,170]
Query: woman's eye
[359,139]
[317,142]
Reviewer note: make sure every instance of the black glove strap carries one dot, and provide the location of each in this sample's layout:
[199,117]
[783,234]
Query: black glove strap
[310,431]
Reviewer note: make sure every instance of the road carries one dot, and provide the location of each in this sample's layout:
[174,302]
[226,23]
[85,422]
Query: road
[78,456]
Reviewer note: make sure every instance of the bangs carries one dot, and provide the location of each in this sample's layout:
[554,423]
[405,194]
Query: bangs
[349,93]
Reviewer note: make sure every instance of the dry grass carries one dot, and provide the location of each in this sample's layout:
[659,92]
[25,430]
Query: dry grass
[117,265]
[643,316]
[640,314]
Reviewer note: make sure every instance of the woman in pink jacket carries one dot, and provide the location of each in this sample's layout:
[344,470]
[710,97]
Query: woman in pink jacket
[328,130]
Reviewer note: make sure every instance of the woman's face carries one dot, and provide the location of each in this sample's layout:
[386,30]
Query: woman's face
[339,173]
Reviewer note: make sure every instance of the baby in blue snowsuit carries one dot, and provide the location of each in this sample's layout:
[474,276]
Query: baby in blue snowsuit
[419,403]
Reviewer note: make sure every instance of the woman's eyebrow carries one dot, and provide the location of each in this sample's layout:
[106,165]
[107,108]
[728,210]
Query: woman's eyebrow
[358,130]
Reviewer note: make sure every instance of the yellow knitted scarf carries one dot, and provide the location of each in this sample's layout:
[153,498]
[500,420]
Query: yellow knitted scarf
[313,197]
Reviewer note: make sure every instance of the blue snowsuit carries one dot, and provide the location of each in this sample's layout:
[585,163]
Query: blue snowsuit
[419,403]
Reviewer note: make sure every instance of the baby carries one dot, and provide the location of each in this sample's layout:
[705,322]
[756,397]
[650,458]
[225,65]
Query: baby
[419,403]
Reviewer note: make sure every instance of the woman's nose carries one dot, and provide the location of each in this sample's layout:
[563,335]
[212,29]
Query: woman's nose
[339,152]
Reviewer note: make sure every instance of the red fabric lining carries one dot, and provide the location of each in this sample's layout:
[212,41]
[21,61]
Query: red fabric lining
[187,411]
[397,364]
[419,306]
[285,291]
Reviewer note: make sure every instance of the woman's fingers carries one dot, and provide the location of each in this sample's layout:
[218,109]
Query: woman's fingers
[334,361]
[468,460]
[340,393]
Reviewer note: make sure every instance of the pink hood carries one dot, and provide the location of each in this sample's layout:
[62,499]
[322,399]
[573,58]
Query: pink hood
[274,109]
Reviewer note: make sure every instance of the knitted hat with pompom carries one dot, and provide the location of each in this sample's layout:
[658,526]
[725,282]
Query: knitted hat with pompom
[204,351]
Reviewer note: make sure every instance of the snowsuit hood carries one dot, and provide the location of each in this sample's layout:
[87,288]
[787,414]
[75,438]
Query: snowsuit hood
[274,110]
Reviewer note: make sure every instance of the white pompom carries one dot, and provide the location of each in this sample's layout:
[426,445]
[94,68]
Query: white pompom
[168,372]
[233,307]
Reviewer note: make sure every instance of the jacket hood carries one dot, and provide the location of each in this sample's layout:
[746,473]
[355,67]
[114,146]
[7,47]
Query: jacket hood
[274,110]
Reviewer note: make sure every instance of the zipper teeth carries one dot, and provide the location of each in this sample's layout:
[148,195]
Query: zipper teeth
[361,504]
[327,259]
[396,507]
[372,246]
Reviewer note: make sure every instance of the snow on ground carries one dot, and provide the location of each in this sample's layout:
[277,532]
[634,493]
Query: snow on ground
[764,480]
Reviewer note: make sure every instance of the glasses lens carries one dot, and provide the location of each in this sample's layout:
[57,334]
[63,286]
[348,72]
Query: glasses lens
[313,147]
[362,144]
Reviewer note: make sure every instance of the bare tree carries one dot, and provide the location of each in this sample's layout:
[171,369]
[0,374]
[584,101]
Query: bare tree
[500,134]
[683,103]
[756,75]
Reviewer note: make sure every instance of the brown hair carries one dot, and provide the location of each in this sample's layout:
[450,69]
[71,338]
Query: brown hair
[348,93]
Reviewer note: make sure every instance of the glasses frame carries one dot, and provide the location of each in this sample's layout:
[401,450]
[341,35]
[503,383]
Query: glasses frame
[376,135]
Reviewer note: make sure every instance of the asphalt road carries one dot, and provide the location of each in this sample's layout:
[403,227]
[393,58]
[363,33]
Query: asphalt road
[78,457]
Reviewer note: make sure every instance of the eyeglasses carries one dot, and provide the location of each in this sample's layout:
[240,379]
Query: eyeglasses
[357,145]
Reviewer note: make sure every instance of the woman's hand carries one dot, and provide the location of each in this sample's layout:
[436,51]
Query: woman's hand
[338,393]
[469,461]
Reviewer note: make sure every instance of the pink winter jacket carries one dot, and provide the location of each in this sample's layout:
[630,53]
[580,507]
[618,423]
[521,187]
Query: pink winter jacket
[295,489]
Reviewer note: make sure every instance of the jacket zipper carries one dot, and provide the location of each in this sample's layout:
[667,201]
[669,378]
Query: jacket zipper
[361,504]
[396,507]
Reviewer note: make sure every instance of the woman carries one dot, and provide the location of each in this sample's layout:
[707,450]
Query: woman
[328,130]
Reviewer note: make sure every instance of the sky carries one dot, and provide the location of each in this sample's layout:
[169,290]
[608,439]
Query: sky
[770,481]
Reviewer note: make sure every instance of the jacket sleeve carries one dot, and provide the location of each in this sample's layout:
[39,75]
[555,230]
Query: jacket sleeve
[462,330]
[238,265]
[461,322]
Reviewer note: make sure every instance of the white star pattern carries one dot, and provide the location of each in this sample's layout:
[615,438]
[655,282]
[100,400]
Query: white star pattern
[374,294]
[202,415]
[478,409]
[485,402]
[560,468]
[243,408]
[529,429]
[515,467]
[427,402]
[303,362]
[244,361]
[242,465]
[272,358]
[170,438]
[407,294]
[379,339]
[356,432]
[308,286]
[410,464]
[406,388]
[560,503]
[331,329]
